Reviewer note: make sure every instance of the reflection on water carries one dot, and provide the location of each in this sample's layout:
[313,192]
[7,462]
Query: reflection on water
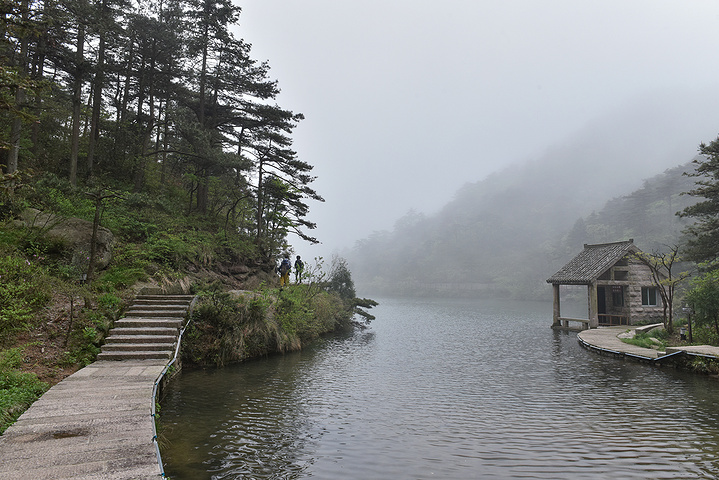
[443,389]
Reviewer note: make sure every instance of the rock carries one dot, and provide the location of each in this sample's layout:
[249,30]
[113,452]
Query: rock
[627,334]
[239,269]
[74,234]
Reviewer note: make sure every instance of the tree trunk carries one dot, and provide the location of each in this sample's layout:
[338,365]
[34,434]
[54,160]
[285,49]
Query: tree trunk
[202,192]
[97,99]
[37,74]
[93,238]
[77,103]
[260,201]
[16,129]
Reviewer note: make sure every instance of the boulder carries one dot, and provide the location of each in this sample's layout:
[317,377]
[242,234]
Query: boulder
[74,234]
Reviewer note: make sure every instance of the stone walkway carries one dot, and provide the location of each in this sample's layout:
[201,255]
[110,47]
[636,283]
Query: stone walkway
[97,423]
[605,339]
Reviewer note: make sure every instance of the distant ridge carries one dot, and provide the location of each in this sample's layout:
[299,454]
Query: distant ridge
[517,226]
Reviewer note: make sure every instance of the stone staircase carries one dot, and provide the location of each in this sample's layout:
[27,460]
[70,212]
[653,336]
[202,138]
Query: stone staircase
[149,329]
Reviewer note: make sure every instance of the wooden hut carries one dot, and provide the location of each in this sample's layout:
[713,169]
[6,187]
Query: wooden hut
[620,287]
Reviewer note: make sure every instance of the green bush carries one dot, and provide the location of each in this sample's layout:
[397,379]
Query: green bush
[169,249]
[85,348]
[655,338]
[132,228]
[130,265]
[306,314]
[17,390]
[119,277]
[54,194]
[704,298]
[23,291]
[704,365]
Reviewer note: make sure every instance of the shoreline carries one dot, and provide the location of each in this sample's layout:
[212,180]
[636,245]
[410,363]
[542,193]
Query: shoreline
[605,341]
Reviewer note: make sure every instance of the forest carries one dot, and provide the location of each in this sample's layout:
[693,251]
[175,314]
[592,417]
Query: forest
[147,127]
[157,100]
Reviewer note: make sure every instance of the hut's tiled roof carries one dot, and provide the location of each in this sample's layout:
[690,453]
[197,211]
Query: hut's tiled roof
[591,263]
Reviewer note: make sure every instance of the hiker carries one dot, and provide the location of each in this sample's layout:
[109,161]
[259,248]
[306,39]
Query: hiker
[299,266]
[285,268]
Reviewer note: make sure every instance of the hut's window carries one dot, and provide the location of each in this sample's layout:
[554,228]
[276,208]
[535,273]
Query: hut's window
[649,296]
[617,295]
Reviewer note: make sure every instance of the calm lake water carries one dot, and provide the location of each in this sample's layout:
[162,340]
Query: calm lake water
[449,389]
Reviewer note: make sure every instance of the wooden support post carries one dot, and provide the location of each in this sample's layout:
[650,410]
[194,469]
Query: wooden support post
[593,305]
[557,308]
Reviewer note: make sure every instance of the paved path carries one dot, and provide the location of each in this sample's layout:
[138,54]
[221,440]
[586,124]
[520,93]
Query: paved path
[97,423]
[605,339]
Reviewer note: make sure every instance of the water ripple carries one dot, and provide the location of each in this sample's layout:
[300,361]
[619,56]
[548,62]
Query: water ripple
[443,390]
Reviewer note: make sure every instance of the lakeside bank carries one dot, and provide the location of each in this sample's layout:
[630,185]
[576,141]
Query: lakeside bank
[606,341]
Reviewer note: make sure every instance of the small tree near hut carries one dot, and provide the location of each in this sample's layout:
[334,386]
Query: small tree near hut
[661,265]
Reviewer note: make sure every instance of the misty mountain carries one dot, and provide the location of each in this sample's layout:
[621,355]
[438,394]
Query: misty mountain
[506,234]
[648,215]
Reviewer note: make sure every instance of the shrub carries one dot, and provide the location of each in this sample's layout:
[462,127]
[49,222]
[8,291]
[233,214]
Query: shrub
[340,279]
[704,298]
[129,266]
[17,390]
[169,249]
[656,338]
[84,349]
[23,291]
[119,277]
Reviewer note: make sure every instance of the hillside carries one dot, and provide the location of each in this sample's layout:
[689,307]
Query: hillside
[505,235]
[166,145]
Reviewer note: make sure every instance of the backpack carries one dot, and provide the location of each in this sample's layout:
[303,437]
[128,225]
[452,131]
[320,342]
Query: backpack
[285,266]
[299,265]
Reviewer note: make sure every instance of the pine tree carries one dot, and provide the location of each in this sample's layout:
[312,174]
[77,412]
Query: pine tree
[703,235]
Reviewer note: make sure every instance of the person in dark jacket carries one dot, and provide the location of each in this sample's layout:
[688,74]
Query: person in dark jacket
[299,267]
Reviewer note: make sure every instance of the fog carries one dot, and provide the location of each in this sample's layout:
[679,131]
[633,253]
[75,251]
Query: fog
[407,101]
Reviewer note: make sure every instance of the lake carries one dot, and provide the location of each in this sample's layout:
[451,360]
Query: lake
[440,388]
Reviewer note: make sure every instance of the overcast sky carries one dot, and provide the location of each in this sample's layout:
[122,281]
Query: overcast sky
[405,101]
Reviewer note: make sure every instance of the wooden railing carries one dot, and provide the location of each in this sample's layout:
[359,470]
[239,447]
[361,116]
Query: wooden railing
[610,320]
[564,322]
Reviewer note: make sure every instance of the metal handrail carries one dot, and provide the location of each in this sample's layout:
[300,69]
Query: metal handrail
[663,357]
[157,383]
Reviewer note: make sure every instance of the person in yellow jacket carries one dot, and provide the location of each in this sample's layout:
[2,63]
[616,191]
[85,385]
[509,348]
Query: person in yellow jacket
[285,267]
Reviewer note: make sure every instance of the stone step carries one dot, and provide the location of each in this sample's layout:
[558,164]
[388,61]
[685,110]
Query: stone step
[139,347]
[149,329]
[145,331]
[128,322]
[156,313]
[163,300]
[167,310]
[135,355]
[118,338]
[159,298]
[147,306]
